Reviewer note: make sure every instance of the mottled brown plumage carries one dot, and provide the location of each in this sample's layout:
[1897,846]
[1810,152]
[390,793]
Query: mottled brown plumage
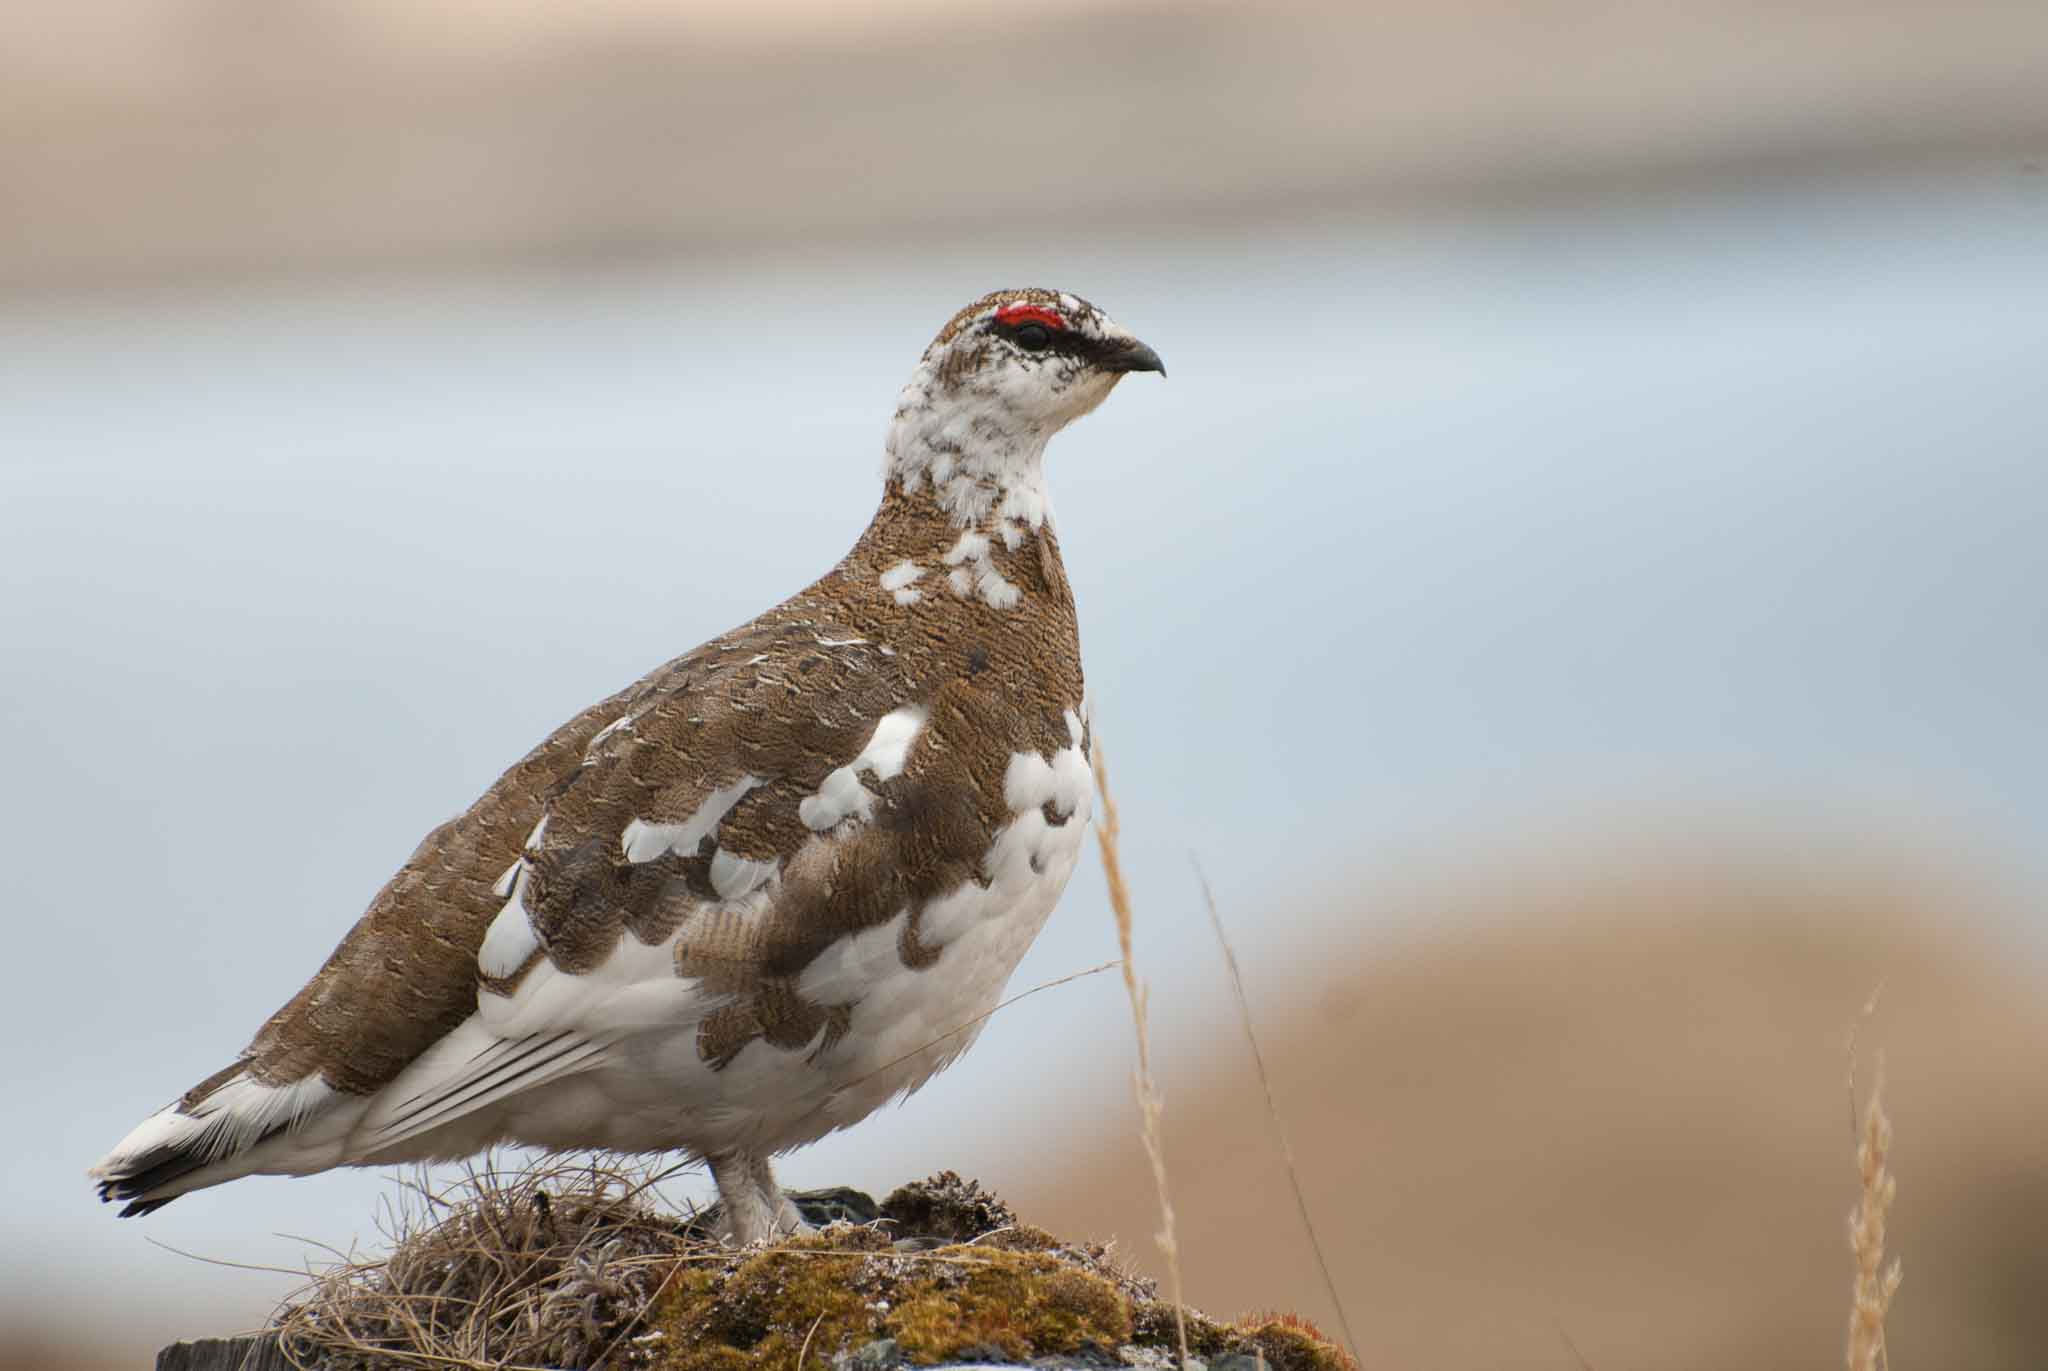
[998,682]
[904,735]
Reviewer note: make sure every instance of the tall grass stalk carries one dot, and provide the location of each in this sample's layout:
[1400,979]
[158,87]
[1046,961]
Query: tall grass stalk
[1151,1108]
[1875,1283]
[1244,1018]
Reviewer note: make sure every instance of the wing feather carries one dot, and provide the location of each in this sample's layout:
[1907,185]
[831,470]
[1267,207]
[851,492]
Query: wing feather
[463,1075]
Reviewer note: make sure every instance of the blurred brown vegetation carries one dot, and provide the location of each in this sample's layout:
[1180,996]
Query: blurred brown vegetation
[1612,1107]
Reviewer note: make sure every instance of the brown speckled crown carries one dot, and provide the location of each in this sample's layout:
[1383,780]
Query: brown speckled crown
[1075,309]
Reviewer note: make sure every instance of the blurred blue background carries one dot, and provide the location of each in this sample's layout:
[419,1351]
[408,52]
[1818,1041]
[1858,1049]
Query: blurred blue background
[1673,485]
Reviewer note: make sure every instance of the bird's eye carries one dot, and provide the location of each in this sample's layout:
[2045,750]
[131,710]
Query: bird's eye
[1034,337]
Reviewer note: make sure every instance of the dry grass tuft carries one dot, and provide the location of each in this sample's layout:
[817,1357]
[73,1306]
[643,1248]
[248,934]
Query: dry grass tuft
[550,1266]
[1251,1037]
[1151,1108]
[1875,1282]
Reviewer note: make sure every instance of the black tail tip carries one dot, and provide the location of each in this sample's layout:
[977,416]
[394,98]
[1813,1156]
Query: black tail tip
[127,1188]
[136,1209]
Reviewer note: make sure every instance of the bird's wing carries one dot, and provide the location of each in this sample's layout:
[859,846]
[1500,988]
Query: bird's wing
[719,839]
[676,856]
[521,935]
[713,836]
[403,979]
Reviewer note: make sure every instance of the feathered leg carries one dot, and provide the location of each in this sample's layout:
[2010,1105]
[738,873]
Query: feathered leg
[756,1210]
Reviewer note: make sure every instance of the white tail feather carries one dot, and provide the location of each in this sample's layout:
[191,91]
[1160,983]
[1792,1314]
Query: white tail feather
[241,1127]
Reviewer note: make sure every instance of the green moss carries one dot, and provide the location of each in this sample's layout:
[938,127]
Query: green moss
[1024,1304]
[844,1289]
[760,1314]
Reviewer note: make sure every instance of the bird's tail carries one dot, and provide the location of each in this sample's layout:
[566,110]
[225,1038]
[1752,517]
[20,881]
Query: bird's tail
[229,1125]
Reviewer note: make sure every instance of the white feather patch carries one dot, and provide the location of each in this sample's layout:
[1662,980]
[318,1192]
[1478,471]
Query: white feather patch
[972,546]
[974,568]
[510,939]
[644,842]
[897,581]
[901,575]
[841,795]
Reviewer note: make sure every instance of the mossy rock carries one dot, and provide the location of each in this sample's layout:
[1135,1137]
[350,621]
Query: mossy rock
[566,1265]
[844,1288]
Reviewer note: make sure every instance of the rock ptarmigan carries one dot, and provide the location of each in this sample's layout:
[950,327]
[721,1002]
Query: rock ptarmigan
[756,894]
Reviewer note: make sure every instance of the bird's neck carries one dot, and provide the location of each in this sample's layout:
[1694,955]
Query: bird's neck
[964,513]
[969,455]
[916,550]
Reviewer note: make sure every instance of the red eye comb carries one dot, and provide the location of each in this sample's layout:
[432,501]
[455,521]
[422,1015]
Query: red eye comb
[1030,314]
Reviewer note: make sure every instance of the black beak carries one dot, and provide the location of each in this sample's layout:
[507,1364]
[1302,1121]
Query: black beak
[1131,356]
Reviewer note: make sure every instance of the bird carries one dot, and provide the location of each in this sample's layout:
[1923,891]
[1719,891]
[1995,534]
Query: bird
[774,884]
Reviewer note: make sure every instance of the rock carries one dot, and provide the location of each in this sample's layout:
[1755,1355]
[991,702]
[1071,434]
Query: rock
[260,1353]
[839,1204]
[948,1208]
[879,1353]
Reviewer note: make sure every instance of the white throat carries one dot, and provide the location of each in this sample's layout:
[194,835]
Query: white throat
[981,457]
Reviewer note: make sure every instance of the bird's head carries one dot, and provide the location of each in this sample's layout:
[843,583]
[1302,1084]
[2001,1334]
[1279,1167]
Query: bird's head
[1044,357]
[1004,375]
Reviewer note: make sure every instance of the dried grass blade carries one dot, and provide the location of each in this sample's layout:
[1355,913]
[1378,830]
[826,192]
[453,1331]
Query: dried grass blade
[1251,1037]
[1151,1108]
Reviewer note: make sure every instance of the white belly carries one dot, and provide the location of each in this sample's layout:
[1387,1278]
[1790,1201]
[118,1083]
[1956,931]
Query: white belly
[654,1091]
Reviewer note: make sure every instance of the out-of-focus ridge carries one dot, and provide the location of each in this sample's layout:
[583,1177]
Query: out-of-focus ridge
[195,138]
